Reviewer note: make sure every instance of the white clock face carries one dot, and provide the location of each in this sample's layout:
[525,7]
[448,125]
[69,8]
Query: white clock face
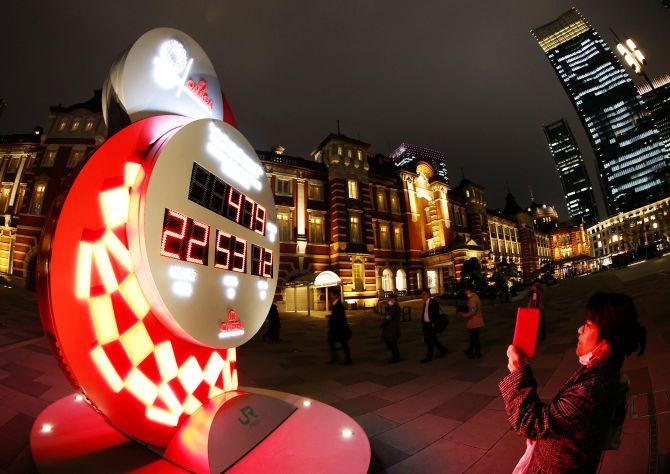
[204,236]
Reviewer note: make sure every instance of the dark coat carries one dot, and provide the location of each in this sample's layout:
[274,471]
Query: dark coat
[338,328]
[433,311]
[574,428]
[391,324]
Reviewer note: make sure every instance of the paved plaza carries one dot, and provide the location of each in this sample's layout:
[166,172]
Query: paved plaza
[445,416]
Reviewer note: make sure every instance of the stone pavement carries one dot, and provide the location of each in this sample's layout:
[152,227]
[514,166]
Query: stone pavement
[445,416]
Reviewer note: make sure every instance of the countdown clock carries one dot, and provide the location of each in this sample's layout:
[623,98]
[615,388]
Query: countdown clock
[161,259]
[202,235]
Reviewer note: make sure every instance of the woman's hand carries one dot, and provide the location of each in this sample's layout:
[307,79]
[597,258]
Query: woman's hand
[515,359]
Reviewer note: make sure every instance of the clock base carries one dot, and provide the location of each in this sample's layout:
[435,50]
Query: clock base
[236,432]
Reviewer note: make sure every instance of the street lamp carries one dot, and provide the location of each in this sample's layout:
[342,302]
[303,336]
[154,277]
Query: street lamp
[633,56]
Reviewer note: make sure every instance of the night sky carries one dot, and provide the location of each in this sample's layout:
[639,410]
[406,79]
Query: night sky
[463,77]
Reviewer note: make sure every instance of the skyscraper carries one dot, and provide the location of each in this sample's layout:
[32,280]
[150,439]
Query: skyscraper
[630,155]
[572,171]
[657,100]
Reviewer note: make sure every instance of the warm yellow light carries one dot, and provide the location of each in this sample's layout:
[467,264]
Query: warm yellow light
[139,385]
[227,376]
[621,48]
[132,293]
[190,374]
[162,416]
[191,405]
[114,204]
[103,317]
[105,267]
[107,369]
[131,172]
[84,263]
[214,391]
[639,56]
[167,395]
[631,44]
[137,343]
[118,250]
[213,368]
[167,365]
[231,355]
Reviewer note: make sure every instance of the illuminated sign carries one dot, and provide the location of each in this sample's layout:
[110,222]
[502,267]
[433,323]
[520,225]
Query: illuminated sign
[164,72]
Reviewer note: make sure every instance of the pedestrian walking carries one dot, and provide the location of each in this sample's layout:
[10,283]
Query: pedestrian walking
[272,332]
[338,328]
[536,300]
[391,327]
[429,320]
[569,433]
[474,321]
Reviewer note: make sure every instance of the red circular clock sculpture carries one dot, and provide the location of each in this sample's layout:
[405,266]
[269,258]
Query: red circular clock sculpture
[162,259]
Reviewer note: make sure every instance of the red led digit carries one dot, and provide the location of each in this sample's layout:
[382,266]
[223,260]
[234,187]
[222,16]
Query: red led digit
[249,213]
[234,204]
[267,263]
[177,237]
[240,256]
[222,254]
[199,245]
[259,219]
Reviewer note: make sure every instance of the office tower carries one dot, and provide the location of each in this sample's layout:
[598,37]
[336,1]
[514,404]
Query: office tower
[572,171]
[630,155]
[407,155]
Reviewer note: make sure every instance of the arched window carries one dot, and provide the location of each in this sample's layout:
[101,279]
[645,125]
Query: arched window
[401,280]
[387,280]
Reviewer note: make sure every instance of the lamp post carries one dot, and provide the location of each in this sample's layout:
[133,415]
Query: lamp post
[633,57]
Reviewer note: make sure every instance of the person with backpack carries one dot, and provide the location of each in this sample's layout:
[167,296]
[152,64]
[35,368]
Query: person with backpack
[391,327]
[475,321]
[338,328]
[430,319]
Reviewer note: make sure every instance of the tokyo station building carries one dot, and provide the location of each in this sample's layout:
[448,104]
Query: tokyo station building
[346,216]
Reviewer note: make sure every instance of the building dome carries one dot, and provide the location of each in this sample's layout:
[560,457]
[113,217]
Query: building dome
[542,211]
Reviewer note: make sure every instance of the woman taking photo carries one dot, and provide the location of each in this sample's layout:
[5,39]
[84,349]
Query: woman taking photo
[569,433]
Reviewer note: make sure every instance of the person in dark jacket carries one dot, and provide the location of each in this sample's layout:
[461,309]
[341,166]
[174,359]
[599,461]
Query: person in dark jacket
[569,433]
[338,328]
[272,332]
[391,327]
[429,318]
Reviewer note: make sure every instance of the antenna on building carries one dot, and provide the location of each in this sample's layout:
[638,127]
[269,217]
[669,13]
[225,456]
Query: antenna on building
[530,189]
[338,127]
[462,172]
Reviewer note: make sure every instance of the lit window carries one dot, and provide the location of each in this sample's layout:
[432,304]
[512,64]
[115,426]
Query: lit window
[75,158]
[89,126]
[395,203]
[339,151]
[352,186]
[358,276]
[348,153]
[62,125]
[283,187]
[38,198]
[316,222]
[49,158]
[315,192]
[4,197]
[75,125]
[384,236]
[359,154]
[398,239]
[13,165]
[381,200]
[355,234]
[284,222]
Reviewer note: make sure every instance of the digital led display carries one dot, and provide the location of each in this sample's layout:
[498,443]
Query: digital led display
[218,196]
[230,252]
[261,261]
[184,238]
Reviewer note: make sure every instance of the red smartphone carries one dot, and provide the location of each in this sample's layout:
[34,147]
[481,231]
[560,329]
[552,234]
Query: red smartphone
[525,331]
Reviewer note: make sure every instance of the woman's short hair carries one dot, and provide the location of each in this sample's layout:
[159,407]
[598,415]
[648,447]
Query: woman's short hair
[617,321]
